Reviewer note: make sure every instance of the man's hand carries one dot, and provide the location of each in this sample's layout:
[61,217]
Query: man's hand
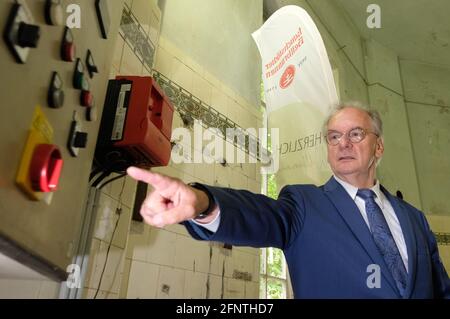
[171,201]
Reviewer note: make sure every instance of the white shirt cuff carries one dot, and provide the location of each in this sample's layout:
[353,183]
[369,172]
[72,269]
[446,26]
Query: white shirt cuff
[212,226]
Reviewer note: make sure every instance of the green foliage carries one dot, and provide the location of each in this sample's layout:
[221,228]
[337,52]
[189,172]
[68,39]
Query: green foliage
[275,268]
[272,188]
[275,289]
[271,288]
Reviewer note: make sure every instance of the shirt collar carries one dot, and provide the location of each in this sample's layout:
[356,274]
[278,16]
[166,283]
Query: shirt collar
[352,190]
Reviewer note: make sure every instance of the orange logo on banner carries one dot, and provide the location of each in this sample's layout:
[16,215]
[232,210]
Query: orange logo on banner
[288,77]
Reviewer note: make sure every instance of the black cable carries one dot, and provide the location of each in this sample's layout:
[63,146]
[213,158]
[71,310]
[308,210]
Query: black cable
[99,179]
[112,180]
[107,254]
[119,212]
[94,172]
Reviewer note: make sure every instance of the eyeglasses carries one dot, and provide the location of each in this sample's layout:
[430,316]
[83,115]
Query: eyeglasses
[355,135]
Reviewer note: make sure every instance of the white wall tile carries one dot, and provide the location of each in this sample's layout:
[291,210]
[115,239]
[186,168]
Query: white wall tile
[161,247]
[217,260]
[235,289]
[130,64]
[143,279]
[181,74]
[155,24]
[171,283]
[254,186]
[164,61]
[239,181]
[178,229]
[191,254]
[201,88]
[90,293]
[242,262]
[195,285]
[118,52]
[222,175]
[125,279]
[216,287]
[142,11]
[137,245]
[107,218]
[113,269]
[251,290]
[205,173]
[125,192]
[219,101]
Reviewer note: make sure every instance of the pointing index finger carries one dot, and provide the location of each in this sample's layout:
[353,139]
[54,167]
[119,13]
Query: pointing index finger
[158,181]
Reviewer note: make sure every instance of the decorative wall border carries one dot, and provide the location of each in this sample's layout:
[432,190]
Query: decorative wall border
[134,35]
[442,238]
[188,104]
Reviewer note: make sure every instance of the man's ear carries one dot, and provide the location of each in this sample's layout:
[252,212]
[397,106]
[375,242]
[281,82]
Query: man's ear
[379,147]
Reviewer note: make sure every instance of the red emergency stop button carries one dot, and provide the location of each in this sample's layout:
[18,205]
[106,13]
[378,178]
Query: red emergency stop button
[45,168]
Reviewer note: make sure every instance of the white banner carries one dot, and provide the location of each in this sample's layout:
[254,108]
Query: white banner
[299,91]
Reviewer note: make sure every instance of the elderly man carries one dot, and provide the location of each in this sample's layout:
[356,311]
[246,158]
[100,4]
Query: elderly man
[349,238]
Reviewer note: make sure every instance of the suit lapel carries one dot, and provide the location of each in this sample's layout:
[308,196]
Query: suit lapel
[408,234]
[352,216]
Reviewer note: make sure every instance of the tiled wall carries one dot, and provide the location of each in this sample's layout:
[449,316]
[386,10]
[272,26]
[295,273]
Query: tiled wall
[168,263]
[105,274]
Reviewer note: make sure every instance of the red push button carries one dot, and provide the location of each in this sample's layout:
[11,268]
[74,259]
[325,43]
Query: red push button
[68,52]
[87,98]
[45,168]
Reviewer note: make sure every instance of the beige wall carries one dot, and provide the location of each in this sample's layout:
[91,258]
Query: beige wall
[217,35]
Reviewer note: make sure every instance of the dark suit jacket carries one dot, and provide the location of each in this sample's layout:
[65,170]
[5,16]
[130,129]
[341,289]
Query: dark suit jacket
[327,244]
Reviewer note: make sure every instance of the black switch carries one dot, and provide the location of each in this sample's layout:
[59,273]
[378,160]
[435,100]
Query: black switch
[20,34]
[28,35]
[92,68]
[80,140]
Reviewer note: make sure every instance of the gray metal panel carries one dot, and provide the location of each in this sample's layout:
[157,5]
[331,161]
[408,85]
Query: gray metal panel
[49,231]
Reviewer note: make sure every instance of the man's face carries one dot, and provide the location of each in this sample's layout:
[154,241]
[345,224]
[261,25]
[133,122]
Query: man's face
[347,158]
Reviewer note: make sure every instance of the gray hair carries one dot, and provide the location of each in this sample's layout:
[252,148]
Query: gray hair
[377,124]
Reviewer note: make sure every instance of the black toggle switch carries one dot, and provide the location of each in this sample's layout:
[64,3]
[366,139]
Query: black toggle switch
[77,138]
[91,113]
[80,140]
[92,68]
[28,35]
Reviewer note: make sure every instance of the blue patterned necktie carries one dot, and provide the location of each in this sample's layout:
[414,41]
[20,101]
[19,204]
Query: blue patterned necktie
[383,239]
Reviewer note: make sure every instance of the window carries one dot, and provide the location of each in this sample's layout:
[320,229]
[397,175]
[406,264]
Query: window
[273,270]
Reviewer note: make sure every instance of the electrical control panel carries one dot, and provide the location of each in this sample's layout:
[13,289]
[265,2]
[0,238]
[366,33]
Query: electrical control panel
[53,84]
